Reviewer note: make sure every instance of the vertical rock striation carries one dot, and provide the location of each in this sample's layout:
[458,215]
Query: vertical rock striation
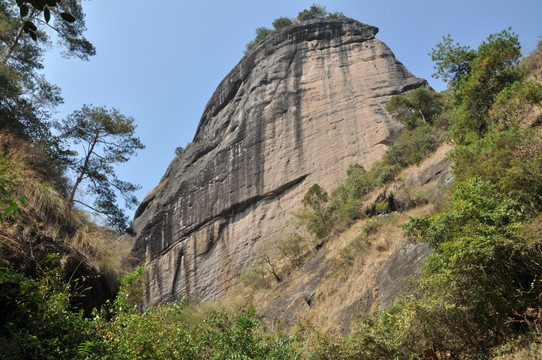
[298,109]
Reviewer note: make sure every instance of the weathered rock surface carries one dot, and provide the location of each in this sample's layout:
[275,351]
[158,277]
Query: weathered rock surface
[298,109]
[387,266]
[395,278]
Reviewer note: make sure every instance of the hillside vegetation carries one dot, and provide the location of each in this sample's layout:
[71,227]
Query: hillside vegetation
[478,296]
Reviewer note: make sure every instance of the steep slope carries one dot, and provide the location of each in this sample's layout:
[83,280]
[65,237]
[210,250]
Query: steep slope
[297,110]
[366,267]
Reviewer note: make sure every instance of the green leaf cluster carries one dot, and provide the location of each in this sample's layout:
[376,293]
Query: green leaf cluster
[28,100]
[108,138]
[261,33]
[10,200]
[420,108]
[481,285]
[316,11]
[36,320]
[28,9]
[486,83]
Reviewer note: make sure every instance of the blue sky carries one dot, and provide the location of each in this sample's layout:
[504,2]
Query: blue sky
[160,61]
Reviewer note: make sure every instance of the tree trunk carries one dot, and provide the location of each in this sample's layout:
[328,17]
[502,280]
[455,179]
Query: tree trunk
[423,117]
[83,171]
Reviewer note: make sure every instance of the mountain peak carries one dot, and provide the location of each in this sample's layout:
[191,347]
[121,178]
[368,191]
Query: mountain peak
[298,109]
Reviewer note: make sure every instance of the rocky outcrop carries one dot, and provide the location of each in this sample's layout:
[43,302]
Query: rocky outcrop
[298,109]
[404,267]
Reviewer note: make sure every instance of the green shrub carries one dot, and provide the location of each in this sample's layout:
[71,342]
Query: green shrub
[282,22]
[164,333]
[130,294]
[418,109]
[261,33]
[294,247]
[511,159]
[483,270]
[317,214]
[255,277]
[316,11]
[37,320]
[412,146]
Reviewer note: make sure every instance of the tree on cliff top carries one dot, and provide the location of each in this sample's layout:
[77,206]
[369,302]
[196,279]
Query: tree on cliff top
[316,11]
[107,138]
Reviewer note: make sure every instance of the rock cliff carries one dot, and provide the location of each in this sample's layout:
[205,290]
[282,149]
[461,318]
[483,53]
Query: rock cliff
[298,109]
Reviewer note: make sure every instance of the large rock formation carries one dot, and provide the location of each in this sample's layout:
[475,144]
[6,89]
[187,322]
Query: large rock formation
[298,109]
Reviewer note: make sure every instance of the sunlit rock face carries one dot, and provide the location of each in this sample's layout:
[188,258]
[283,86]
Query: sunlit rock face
[298,109]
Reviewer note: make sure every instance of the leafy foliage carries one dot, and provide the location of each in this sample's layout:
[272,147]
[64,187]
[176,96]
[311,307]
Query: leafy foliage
[480,289]
[281,22]
[485,269]
[107,138]
[10,201]
[421,107]
[316,11]
[322,212]
[175,331]
[39,323]
[481,80]
[68,23]
[317,213]
[261,33]
[27,100]
[481,286]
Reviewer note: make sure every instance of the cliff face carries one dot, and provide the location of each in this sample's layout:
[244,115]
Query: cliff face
[298,109]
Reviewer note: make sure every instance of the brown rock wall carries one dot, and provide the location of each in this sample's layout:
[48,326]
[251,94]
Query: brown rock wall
[298,109]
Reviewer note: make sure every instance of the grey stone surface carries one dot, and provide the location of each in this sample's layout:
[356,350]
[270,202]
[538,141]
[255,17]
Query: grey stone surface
[405,267]
[298,109]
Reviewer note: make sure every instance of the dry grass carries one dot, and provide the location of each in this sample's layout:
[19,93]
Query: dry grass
[533,63]
[153,191]
[340,286]
[34,180]
[47,215]
[346,286]
[104,248]
[344,271]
